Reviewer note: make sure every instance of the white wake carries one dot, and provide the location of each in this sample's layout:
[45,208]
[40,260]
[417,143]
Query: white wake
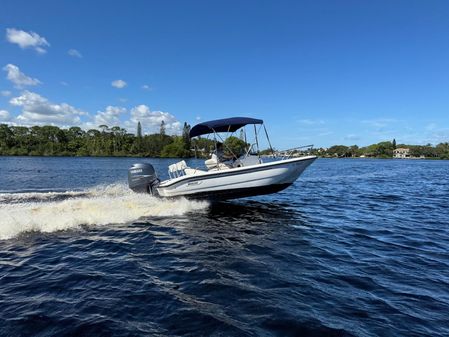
[101,205]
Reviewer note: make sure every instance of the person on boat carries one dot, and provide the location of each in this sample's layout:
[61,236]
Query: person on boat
[219,151]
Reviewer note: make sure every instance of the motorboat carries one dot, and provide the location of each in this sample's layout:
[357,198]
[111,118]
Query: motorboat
[240,175]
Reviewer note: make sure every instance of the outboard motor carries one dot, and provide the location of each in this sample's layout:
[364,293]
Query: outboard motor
[143,179]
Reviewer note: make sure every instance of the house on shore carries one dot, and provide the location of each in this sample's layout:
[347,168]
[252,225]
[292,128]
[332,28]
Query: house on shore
[401,153]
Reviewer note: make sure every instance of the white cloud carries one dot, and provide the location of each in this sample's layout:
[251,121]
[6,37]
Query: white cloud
[110,116]
[151,120]
[118,84]
[4,115]
[311,121]
[431,126]
[39,110]
[27,39]
[436,136]
[146,87]
[380,122]
[19,79]
[352,137]
[64,83]
[74,53]
[6,93]
[128,119]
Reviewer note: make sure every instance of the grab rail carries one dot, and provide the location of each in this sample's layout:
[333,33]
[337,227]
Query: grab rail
[287,154]
[249,149]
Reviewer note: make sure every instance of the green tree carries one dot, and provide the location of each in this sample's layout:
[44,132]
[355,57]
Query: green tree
[442,150]
[139,142]
[139,130]
[203,146]
[175,149]
[427,151]
[186,136]
[104,128]
[234,147]
[381,150]
[6,139]
[242,134]
[339,151]
[162,129]
[353,151]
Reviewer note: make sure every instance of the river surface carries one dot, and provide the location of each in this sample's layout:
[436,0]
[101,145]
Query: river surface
[353,248]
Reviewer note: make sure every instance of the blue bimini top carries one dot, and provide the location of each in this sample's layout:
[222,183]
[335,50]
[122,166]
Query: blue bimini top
[222,125]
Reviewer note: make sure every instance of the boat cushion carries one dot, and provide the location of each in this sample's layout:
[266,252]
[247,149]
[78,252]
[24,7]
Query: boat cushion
[213,164]
[190,171]
[179,166]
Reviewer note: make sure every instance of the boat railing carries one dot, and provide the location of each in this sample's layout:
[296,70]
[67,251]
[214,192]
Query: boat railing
[289,153]
[248,152]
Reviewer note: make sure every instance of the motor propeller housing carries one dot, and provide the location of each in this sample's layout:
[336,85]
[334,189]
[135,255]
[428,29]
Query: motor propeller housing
[142,178]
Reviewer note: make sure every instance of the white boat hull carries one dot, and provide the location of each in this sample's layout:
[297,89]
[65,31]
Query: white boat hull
[237,182]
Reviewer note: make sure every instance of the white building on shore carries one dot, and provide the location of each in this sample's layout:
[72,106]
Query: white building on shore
[401,153]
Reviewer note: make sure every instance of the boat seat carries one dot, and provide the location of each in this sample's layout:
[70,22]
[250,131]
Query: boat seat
[247,161]
[213,164]
[220,167]
[190,171]
[177,169]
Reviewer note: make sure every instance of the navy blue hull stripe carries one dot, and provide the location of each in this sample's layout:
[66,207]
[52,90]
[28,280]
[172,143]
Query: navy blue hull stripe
[237,193]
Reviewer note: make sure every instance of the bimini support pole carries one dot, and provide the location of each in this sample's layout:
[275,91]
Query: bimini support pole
[224,144]
[268,138]
[215,140]
[257,141]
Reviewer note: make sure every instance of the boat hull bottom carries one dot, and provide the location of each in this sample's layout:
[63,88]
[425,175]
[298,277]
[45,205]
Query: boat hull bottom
[237,193]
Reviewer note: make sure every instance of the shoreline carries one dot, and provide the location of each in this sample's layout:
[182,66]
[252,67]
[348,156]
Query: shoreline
[154,157]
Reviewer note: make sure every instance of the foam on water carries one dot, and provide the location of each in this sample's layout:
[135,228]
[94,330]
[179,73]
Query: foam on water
[101,205]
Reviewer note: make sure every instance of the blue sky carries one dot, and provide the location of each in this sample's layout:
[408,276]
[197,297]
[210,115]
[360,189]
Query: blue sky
[321,72]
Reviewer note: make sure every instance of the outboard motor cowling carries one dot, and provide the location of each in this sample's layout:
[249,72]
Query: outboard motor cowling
[143,179]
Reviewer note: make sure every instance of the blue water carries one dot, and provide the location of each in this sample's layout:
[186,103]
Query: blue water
[353,248]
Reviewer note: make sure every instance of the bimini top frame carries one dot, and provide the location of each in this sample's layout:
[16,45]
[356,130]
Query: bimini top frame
[222,125]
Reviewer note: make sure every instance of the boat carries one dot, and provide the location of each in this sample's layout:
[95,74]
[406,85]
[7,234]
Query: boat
[241,175]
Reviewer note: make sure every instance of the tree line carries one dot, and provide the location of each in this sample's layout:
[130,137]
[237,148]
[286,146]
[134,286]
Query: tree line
[385,150]
[107,141]
[115,141]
